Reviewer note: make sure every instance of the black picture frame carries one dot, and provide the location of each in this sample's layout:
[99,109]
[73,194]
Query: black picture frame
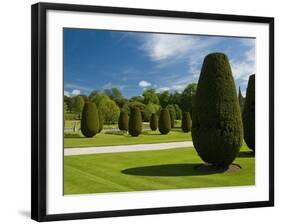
[38,116]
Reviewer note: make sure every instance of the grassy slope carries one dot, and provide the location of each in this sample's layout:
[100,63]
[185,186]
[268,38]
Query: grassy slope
[148,170]
[102,139]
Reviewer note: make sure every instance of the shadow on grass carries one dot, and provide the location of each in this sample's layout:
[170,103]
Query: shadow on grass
[247,154]
[170,170]
[78,137]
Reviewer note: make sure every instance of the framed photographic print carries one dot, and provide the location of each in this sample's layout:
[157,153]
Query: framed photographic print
[139,111]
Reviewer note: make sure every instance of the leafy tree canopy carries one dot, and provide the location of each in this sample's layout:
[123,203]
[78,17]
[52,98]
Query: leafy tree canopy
[164,98]
[150,96]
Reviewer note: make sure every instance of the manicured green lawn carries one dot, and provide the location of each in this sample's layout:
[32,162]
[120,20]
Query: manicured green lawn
[149,170]
[103,139]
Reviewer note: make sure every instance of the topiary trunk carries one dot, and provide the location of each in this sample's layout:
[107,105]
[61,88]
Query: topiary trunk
[217,131]
[186,122]
[90,120]
[135,122]
[123,121]
[153,122]
[249,114]
[164,122]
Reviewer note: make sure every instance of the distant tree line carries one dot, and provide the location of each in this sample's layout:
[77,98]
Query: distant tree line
[110,102]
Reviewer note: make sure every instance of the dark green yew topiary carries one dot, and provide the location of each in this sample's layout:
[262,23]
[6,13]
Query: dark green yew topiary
[153,122]
[90,120]
[164,121]
[186,122]
[249,114]
[135,122]
[123,121]
[172,118]
[100,121]
[217,130]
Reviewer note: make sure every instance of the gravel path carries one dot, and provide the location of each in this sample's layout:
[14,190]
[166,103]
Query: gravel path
[125,148]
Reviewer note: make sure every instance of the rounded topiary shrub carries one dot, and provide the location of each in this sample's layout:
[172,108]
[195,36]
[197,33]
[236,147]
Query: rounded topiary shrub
[172,118]
[153,122]
[248,115]
[100,121]
[186,122]
[90,120]
[123,122]
[164,121]
[135,122]
[217,130]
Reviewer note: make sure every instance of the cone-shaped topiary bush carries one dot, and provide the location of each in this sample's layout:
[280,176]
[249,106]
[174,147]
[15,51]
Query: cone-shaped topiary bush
[90,120]
[100,121]
[153,122]
[217,130]
[135,122]
[172,118]
[123,121]
[186,122]
[249,114]
[164,121]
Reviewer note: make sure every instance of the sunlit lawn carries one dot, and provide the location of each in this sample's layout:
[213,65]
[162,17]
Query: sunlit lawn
[149,170]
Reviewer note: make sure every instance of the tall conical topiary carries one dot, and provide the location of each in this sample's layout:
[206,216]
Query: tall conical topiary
[186,122]
[100,121]
[172,117]
[123,121]
[90,120]
[135,122]
[249,114]
[153,122]
[164,122]
[217,130]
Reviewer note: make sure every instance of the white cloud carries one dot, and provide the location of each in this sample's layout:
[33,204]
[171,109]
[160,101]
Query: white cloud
[250,55]
[75,92]
[110,86]
[162,89]
[160,47]
[243,68]
[249,42]
[66,93]
[179,87]
[163,46]
[75,86]
[144,84]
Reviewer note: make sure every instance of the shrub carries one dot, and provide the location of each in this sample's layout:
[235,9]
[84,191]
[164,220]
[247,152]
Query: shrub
[109,110]
[90,120]
[172,117]
[100,121]
[153,122]
[186,122]
[217,131]
[249,114]
[123,121]
[77,104]
[70,116]
[164,122]
[135,122]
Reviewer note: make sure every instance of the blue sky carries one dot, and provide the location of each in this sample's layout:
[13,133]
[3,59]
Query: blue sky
[134,61]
